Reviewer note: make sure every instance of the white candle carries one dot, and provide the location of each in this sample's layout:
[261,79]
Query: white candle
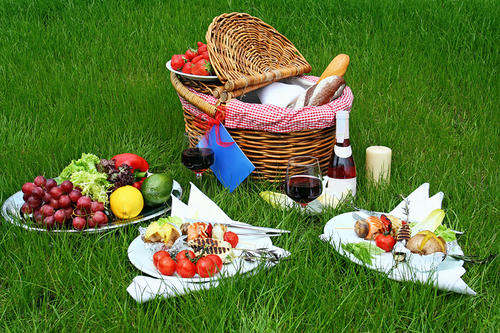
[378,163]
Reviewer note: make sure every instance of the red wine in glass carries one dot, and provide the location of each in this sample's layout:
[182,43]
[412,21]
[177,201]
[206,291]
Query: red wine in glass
[303,189]
[198,159]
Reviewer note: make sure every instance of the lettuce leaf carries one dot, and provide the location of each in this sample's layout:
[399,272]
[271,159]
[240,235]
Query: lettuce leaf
[364,251]
[92,184]
[446,233]
[87,163]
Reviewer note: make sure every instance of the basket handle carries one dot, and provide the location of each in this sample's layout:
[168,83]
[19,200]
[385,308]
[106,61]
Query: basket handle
[192,98]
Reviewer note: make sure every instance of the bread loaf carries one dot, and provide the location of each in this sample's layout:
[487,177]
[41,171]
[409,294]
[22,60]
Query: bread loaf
[338,66]
[321,93]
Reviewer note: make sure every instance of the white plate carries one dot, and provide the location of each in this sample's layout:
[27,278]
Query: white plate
[340,230]
[11,212]
[192,76]
[142,259]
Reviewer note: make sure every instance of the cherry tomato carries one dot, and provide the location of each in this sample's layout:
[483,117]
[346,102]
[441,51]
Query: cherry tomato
[166,266]
[217,260]
[158,255]
[205,267]
[385,242]
[185,254]
[231,238]
[186,268]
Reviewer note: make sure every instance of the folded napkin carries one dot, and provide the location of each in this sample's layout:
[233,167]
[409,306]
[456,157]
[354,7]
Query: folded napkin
[419,204]
[144,288]
[279,94]
[199,206]
[447,275]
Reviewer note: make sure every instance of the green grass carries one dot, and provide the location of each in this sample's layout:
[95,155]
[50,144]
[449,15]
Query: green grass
[89,77]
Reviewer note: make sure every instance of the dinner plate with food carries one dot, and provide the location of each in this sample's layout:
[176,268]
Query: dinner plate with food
[200,251]
[382,241]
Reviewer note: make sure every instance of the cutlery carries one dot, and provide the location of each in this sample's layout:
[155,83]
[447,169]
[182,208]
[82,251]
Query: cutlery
[237,224]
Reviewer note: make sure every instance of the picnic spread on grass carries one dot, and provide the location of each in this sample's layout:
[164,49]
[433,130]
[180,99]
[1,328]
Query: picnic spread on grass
[250,110]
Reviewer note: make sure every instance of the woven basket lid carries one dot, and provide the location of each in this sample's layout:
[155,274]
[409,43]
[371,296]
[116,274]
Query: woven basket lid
[244,51]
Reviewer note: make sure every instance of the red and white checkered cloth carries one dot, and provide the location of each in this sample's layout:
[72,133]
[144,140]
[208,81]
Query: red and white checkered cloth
[271,118]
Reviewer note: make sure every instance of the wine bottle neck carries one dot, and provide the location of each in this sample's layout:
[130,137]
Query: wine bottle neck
[342,130]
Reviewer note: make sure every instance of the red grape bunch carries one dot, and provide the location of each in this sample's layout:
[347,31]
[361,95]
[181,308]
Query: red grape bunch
[55,205]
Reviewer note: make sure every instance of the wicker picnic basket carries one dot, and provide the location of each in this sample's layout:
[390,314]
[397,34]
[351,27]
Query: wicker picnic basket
[247,54]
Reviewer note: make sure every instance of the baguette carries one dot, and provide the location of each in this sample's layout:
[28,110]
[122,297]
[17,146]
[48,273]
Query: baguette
[338,66]
[321,93]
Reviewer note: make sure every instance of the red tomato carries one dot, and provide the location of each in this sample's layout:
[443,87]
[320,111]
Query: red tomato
[231,238]
[178,61]
[385,242]
[190,54]
[158,255]
[217,260]
[185,254]
[187,67]
[186,268]
[206,267]
[166,266]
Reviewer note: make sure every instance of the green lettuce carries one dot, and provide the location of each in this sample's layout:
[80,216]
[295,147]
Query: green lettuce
[364,251]
[92,184]
[446,233]
[87,163]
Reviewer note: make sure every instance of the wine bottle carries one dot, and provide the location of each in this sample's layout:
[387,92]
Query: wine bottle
[341,177]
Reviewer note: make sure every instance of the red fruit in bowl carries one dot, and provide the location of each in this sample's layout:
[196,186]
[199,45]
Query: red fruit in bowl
[26,209]
[37,192]
[34,202]
[64,201]
[40,181]
[46,197]
[91,222]
[66,186]
[50,184]
[49,222]
[60,216]
[79,223]
[84,203]
[27,188]
[26,196]
[47,210]
[177,61]
[56,192]
[79,212]
[96,206]
[74,195]
[68,211]
[38,216]
[54,203]
[100,218]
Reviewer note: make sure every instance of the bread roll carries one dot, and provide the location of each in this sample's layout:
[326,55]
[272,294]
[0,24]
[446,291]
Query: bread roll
[338,66]
[321,93]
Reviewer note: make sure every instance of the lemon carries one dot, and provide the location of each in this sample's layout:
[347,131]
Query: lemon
[126,202]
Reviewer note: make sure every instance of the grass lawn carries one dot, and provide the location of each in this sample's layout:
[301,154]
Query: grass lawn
[79,76]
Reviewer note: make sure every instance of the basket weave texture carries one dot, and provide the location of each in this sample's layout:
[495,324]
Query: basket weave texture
[247,53]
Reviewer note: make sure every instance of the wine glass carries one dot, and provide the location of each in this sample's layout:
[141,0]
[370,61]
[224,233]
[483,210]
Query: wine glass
[195,158]
[303,179]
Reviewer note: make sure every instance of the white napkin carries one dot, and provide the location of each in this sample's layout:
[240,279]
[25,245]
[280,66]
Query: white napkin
[419,203]
[279,94]
[144,288]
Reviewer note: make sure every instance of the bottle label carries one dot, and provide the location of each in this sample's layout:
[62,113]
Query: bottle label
[342,152]
[340,187]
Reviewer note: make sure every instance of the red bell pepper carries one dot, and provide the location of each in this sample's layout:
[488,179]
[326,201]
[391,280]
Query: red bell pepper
[139,166]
